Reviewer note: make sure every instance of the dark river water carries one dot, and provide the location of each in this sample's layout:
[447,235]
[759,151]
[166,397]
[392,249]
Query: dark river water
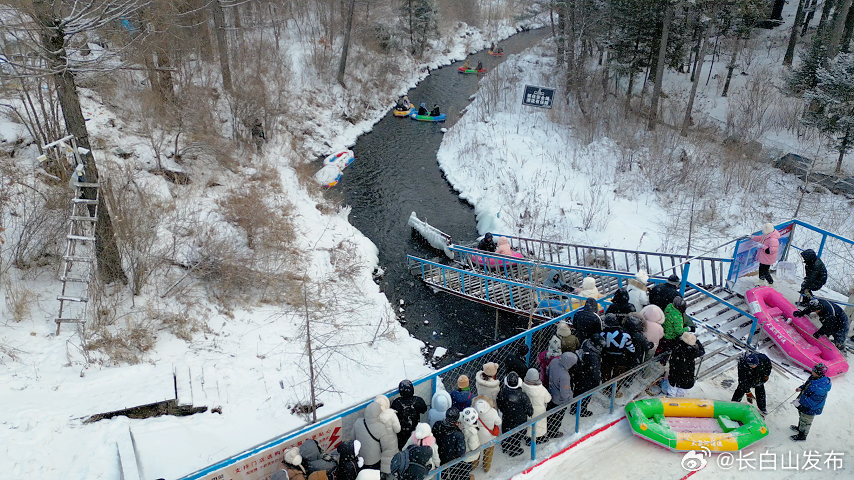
[396,173]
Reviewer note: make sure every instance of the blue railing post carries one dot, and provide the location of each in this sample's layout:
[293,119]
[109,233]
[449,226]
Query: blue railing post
[577,415]
[752,331]
[685,269]
[613,394]
[534,441]
[528,343]
[821,246]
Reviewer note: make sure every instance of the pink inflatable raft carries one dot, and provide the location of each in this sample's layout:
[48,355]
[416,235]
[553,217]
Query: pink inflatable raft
[494,262]
[793,334]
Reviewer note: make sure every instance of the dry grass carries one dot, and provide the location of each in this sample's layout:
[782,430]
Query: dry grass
[19,300]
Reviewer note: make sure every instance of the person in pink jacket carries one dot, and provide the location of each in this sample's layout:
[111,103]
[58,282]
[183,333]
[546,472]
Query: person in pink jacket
[767,255]
[654,332]
[503,247]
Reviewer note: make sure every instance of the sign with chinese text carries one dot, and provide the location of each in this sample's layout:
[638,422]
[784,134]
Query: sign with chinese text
[538,96]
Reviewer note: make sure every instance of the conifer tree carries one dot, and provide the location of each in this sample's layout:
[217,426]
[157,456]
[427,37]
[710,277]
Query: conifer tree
[832,104]
[421,19]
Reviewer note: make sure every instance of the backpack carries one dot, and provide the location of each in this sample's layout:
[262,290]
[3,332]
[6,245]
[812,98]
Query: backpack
[401,463]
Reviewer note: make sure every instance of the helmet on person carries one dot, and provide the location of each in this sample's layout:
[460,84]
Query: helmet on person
[752,359]
[469,416]
[819,369]
[406,389]
[680,304]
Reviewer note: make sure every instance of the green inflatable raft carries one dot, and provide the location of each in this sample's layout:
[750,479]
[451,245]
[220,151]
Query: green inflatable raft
[683,424]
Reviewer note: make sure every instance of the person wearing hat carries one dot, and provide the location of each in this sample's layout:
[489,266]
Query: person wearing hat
[811,401]
[462,396]
[487,244]
[680,377]
[349,461]
[587,322]
[409,408]
[540,397]
[568,341]
[553,280]
[515,360]
[663,294]
[468,424]
[620,305]
[488,423]
[515,408]
[674,324]
[449,437]
[560,388]
[834,321]
[754,368]
[293,469]
[769,246]
[638,292]
[815,274]
[487,385]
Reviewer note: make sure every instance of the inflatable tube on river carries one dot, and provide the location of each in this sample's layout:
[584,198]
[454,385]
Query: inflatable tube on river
[682,424]
[328,176]
[495,54]
[793,335]
[471,70]
[426,118]
[404,113]
[341,159]
[492,261]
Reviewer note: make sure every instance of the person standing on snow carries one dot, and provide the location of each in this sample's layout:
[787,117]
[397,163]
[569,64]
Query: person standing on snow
[488,423]
[568,341]
[560,388]
[348,460]
[654,329]
[449,437]
[257,133]
[468,425]
[683,362]
[409,409]
[811,401]
[515,361]
[815,274]
[587,322]
[620,305]
[619,349]
[767,255]
[461,397]
[515,408]
[634,324]
[834,322]
[544,359]
[378,441]
[674,324]
[663,294]
[587,373]
[638,293]
[540,397]
[487,385]
[423,437]
[439,404]
[753,371]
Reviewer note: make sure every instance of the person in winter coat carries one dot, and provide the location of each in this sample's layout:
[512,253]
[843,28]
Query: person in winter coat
[293,465]
[422,109]
[568,341]
[423,437]
[589,289]
[479,66]
[834,322]
[314,460]
[420,462]
[560,388]
[674,324]
[503,247]
[767,255]
[638,293]
[540,397]
[753,371]
[488,423]
[348,460]
[634,324]
[816,273]
[388,416]
[462,396]
[368,474]
[587,373]
[662,294]
[683,363]
[619,351]
[468,424]
[544,359]
[439,404]
[553,280]
[409,409]
[811,400]
[587,322]
[449,437]
[467,65]
[515,408]
[620,305]
[487,244]
[515,361]
[435,111]
[487,385]
[378,440]
[654,329]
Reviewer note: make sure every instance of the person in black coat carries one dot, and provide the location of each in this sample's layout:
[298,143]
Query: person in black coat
[816,273]
[515,408]
[348,461]
[620,305]
[419,457]
[435,111]
[753,371]
[515,361]
[619,350]
[409,409]
[663,294]
[834,321]
[683,364]
[487,244]
[449,437]
[586,321]
[634,324]
[587,373]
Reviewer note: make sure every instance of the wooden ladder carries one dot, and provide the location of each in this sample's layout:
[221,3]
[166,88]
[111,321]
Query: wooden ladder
[79,257]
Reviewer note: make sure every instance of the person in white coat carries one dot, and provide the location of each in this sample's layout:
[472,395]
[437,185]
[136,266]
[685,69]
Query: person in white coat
[638,292]
[589,289]
[654,331]
[387,415]
[540,397]
[487,385]
[440,404]
[468,425]
[423,437]
[488,427]
[378,440]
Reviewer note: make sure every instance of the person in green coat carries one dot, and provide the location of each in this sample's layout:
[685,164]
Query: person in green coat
[674,325]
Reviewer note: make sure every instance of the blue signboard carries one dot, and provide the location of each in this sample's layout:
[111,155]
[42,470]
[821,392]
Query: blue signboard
[538,96]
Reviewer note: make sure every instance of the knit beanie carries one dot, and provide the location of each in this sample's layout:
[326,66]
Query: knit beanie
[563,329]
[490,368]
[767,228]
[462,381]
[641,276]
[533,377]
[689,338]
